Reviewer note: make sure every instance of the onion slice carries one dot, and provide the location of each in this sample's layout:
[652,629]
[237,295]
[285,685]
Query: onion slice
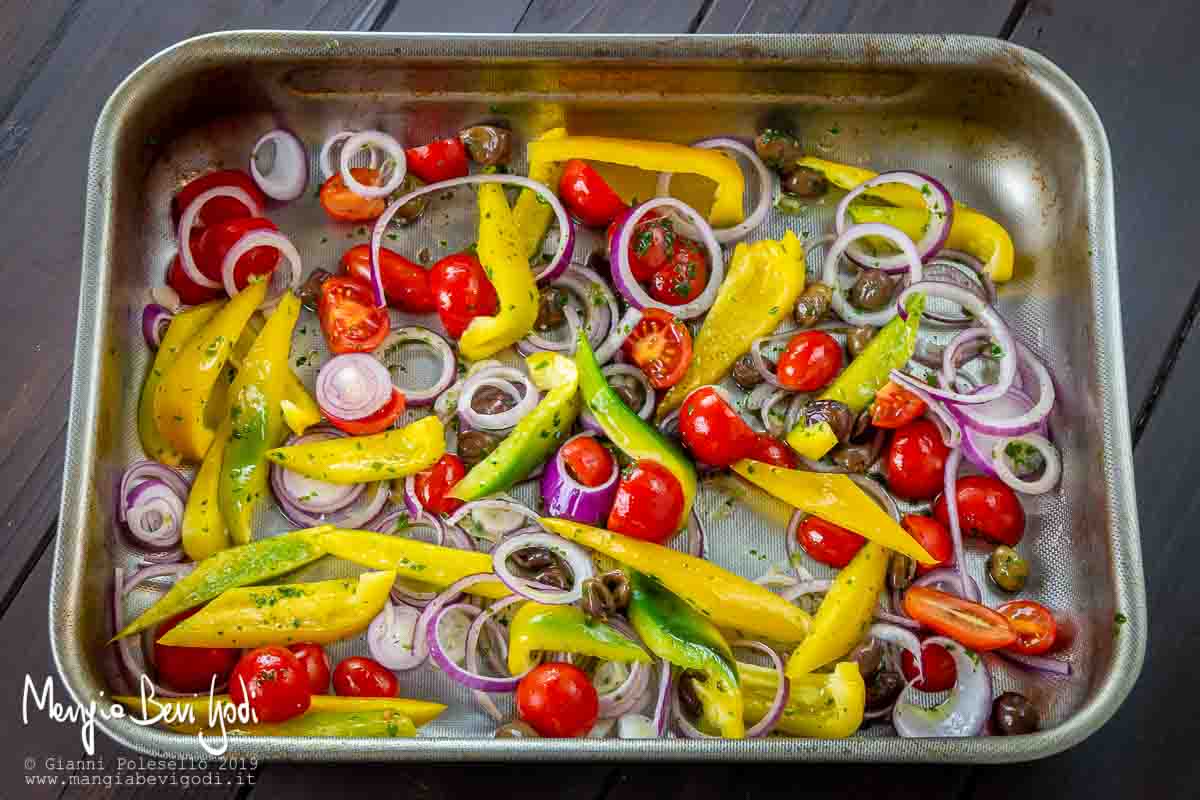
[1033,419]
[766,190]
[325,160]
[941,215]
[262,238]
[577,559]
[1049,453]
[155,321]
[963,713]
[288,174]
[417,334]
[782,692]
[392,635]
[381,141]
[188,219]
[301,498]
[945,579]
[353,386]
[829,272]
[566,497]
[504,379]
[467,676]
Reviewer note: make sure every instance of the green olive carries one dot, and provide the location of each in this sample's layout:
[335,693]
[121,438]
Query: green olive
[1007,569]
[516,730]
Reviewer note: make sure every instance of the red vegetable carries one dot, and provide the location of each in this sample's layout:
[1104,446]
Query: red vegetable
[936,663]
[440,160]
[273,681]
[828,543]
[1035,626]
[587,197]
[349,317]
[462,292]
[661,346]
[970,624]
[933,536]
[316,665]
[216,240]
[712,430]
[344,205]
[986,508]
[895,406]
[683,278]
[648,504]
[190,293]
[364,677]
[811,360]
[377,422]
[558,700]
[651,247]
[406,284]
[191,669]
[770,450]
[220,209]
[433,484]
[589,462]
[914,461]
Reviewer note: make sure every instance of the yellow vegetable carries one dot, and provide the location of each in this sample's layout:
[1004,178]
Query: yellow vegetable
[533,214]
[821,705]
[362,459]
[204,531]
[300,410]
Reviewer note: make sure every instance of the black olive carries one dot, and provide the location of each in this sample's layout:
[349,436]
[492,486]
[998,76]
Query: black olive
[597,262]
[803,183]
[813,304]
[872,289]
[550,308]
[745,374]
[858,339]
[606,594]
[779,149]
[490,400]
[310,291]
[532,558]
[487,144]
[862,424]
[883,689]
[868,654]
[1013,715]
[854,457]
[832,412]
[475,446]
[516,730]
[901,571]
[688,699]
[1007,570]
[555,576]
[411,211]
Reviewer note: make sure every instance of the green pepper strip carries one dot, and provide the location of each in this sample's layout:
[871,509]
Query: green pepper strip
[539,627]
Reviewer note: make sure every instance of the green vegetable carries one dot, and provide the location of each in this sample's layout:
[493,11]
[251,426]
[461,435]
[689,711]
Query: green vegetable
[538,627]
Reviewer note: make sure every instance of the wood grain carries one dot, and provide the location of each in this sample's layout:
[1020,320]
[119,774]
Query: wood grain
[463,16]
[610,16]
[984,17]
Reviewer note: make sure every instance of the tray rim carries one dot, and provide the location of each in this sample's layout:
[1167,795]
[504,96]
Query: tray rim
[886,49]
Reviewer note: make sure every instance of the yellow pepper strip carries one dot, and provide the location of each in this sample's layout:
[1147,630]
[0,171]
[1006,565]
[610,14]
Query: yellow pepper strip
[181,397]
[502,254]
[383,456]
[728,600]
[845,613]
[238,566]
[538,627]
[834,498]
[300,410]
[657,157]
[257,616]
[821,705]
[532,213]
[203,531]
[183,327]
[762,285]
[970,231]
[413,559]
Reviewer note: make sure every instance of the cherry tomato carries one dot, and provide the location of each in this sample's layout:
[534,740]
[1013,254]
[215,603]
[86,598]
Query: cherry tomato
[933,536]
[274,682]
[915,460]
[462,292]
[651,246]
[770,450]
[405,284]
[346,206]
[440,160]
[364,677]
[433,484]
[586,195]
[349,317]
[661,346]
[683,278]
[377,422]
[558,700]
[219,209]
[713,430]
[648,503]
[216,240]
[316,665]
[895,406]
[811,360]
[1035,626]
[938,666]
[828,543]
[588,461]
[190,293]
[191,669]
[970,624]
[986,508]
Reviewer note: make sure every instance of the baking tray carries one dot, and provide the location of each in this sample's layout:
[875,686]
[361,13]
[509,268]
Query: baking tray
[1002,126]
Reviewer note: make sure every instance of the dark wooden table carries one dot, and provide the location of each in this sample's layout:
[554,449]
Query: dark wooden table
[60,59]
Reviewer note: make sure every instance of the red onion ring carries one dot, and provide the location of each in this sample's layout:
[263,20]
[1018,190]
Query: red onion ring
[662,703]
[353,386]
[188,219]
[624,698]
[964,713]
[766,190]
[262,238]
[364,505]
[504,379]
[289,170]
[829,271]
[576,558]
[782,694]
[469,676]
[155,321]
[600,308]
[1049,478]
[325,159]
[649,397]
[619,334]
[954,266]
[392,635]
[496,504]
[946,579]
[146,469]
[1045,664]
[563,496]
[902,638]
[941,216]
[977,445]
[391,148]
[949,491]
[1027,422]
[418,334]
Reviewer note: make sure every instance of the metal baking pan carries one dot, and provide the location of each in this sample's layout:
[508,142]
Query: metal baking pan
[1003,127]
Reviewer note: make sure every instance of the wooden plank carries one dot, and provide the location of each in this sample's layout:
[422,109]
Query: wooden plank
[461,16]
[451,782]
[610,16]
[855,16]
[26,41]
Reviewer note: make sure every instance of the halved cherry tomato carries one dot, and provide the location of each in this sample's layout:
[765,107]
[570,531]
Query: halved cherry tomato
[1034,624]
[937,664]
[933,536]
[190,293]
[661,346]
[346,206]
[895,406]
[586,195]
[440,160]
[316,665]
[811,360]
[970,624]
[349,317]
[683,278]
[558,700]
[462,292]
[986,508]
[828,543]
[651,246]
[192,669]
[713,430]
[770,450]
[377,422]
[364,677]
[405,284]
[915,460]
[273,681]
[216,240]
[648,504]
[219,209]
[588,461]
[433,484]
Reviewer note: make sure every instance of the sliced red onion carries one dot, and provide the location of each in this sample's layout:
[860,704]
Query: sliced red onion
[774,424]
[829,271]
[625,695]
[941,215]
[535,342]
[300,499]
[1051,666]
[619,334]
[558,262]
[888,618]
[760,362]
[600,312]
[504,379]
[495,516]
[392,637]
[176,571]
[263,238]
[188,219]
[649,396]
[172,556]
[972,339]
[144,470]
[576,558]
[964,713]
[696,535]
[946,579]
[380,141]
[325,161]
[353,386]
[942,417]
[960,269]
[153,511]
[1050,476]
[782,693]
[468,676]
[766,190]
[636,726]
[566,497]
[902,638]
[758,395]
[949,491]
[288,172]
[441,348]
[995,421]
[801,588]
[412,503]
[628,285]
[662,702]
[155,320]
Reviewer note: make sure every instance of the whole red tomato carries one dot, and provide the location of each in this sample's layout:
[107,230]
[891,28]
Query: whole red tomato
[938,666]
[586,195]
[344,205]
[987,508]
[220,209]
[683,278]
[558,700]
[588,461]
[274,682]
[648,504]
[713,430]
[462,292]
[217,240]
[351,321]
[915,460]
[811,360]
[433,484]
[828,543]
[364,677]
[405,284]
[191,669]
[651,245]
[316,665]
[440,160]
[770,450]
[933,536]
[895,406]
